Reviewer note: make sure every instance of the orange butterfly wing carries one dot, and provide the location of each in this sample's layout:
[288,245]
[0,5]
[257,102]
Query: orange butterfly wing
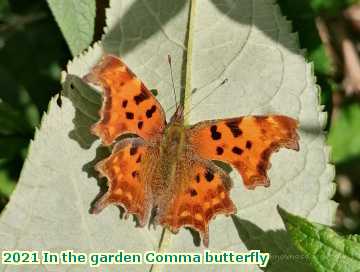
[129,169]
[245,142]
[199,192]
[128,107]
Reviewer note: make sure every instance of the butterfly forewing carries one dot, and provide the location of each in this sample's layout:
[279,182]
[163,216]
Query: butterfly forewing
[245,142]
[128,107]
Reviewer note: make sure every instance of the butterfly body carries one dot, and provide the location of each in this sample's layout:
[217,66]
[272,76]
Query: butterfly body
[168,168]
[172,146]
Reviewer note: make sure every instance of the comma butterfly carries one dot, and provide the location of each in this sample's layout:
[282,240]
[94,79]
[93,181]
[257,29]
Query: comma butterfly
[169,166]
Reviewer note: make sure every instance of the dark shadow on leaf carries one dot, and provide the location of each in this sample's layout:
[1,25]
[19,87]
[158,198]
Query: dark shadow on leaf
[144,14]
[139,23]
[100,19]
[141,13]
[243,12]
[86,102]
[101,153]
[283,255]
[314,129]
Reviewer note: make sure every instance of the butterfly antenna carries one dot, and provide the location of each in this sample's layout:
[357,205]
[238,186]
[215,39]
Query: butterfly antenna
[209,94]
[172,79]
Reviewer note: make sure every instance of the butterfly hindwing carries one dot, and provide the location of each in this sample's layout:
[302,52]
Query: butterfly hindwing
[199,192]
[128,170]
[128,107]
[245,142]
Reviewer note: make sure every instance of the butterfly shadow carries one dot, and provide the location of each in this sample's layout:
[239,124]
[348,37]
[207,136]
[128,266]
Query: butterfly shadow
[87,103]
[283,255]
[102,152]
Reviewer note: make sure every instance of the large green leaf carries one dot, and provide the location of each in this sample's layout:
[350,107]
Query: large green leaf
[246,41]
[325,249]
[76,19]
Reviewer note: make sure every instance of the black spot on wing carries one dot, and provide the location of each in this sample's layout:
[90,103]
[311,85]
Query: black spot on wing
[219,150]
[193,192]
[140,124]
[234,127]
[129,115]
[141,96]
[215,135]
[124,103]
[197,178]
[248,144]
[134,174]
[237,150]
[209,175]
[133,150]
[150,112]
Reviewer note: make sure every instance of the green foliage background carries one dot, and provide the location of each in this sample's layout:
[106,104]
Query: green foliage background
[32,55]
[33,52]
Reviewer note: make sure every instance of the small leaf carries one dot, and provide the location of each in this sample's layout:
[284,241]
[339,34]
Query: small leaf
[76,19]
[326,250]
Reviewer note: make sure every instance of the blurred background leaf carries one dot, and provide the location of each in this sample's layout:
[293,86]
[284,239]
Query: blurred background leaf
[76,19]
[329,31]
[32,53]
